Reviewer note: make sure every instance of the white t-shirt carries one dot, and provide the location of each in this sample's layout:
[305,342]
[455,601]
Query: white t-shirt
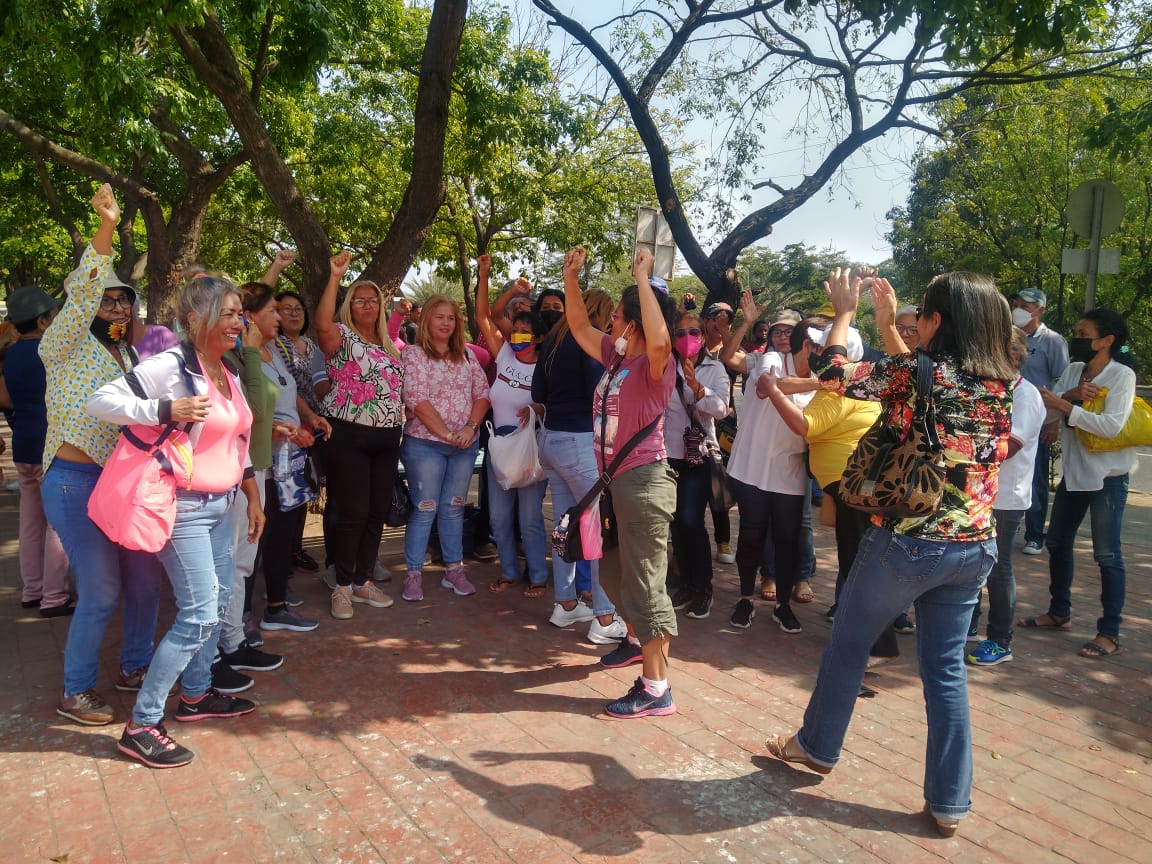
[512,389]
[1016,473]
[766,453]
[1084,471]
[710,407]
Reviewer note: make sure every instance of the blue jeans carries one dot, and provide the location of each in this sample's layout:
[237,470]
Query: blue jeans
[102,571]
[199,562]
[570,462]
[438,479]
[1038,512]
[892,571]
[1107,509]
[1002,581]
[503,506]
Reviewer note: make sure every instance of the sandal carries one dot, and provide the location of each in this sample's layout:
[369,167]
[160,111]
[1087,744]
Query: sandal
[500,585]
[802,593]
[534,591]
[768,589]
[787,750]
[1097,651]
[1053,622]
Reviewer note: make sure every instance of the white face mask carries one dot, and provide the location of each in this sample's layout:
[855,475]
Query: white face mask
[622,341]
[1021,317]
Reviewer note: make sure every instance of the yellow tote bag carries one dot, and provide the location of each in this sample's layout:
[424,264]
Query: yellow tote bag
[1136,432]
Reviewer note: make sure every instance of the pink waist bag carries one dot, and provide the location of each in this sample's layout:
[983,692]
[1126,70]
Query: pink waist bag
[134,502]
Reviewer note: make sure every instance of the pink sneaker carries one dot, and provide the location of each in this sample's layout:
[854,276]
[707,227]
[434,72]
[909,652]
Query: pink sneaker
[413,586]
[455,580]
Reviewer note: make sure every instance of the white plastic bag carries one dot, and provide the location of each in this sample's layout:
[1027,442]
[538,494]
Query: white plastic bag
[515,457]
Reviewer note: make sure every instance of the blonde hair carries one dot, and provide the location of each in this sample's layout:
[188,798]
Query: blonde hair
[345,314]
[599,305]
[456,348]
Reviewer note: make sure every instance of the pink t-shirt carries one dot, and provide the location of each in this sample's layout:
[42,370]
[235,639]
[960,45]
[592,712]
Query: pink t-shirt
[630,398]
[218,461]
[451,388]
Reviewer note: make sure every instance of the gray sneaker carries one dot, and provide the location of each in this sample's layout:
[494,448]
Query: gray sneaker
[286,618]
[87,708]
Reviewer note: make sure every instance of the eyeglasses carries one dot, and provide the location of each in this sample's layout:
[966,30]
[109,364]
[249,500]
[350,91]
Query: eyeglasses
[907,331]
[691,331]
[784,332]
[366,302]
[294,310]
[107,304]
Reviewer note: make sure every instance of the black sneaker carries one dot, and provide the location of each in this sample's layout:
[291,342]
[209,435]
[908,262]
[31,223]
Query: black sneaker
[211,705]
[743,614]
[831,613]
[680,600]
[904,625]
[786,618]
[225,679]
[640,703]
[251,659]
[700,607]
[301,560]
[624,654]
[152,746]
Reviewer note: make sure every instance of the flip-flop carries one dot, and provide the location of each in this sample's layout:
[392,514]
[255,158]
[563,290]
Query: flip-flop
[1097,651]
[500,585]
[1055,622]
[778,746]
[768,589]
[802,593]
[534,591]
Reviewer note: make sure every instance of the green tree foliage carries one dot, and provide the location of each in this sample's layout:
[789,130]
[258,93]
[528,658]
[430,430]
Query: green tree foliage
[993,199]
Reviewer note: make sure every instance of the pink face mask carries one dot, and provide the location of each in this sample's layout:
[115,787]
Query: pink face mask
[688,346]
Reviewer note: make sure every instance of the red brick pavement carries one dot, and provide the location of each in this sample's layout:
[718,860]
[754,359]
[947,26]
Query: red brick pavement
[469,729]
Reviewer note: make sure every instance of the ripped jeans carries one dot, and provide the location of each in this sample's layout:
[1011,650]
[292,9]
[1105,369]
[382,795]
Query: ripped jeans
[199,562]
[438,478]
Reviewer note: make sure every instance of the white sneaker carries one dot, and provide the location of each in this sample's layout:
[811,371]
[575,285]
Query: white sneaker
[609,634]
[1032,548]
[381,573]
[562,617]
[328,574]
[724,553]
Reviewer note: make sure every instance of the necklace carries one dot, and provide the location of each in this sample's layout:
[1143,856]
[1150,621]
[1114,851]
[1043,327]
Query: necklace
[217,374]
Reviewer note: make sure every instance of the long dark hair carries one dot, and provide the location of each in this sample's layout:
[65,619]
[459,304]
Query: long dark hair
[1111,323]
[975,324]
[631,308]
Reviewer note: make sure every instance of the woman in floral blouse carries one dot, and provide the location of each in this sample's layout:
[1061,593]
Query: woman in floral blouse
[367,418]
[941,561]
[446,395]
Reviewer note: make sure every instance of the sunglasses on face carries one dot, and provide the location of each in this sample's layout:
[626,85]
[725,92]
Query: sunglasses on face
[691,331]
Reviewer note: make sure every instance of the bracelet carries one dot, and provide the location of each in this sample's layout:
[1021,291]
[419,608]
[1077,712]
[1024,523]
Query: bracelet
[473,424]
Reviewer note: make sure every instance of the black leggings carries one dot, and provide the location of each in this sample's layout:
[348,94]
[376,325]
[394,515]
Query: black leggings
[361,463]
[276,543]
[762,513]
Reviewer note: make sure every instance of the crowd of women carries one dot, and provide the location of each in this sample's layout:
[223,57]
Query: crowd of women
[625,393]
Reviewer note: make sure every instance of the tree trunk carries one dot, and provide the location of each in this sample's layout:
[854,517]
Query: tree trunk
[208,51]
[395,254]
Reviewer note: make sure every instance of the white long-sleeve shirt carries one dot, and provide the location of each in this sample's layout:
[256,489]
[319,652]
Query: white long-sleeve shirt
[1084,470]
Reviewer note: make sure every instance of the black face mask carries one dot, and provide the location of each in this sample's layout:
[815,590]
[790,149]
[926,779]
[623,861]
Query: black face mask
[551,317]
[1080,348]
[109,332]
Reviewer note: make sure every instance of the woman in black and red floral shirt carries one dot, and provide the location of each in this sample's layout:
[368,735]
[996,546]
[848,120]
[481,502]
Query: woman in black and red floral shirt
[941,561]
